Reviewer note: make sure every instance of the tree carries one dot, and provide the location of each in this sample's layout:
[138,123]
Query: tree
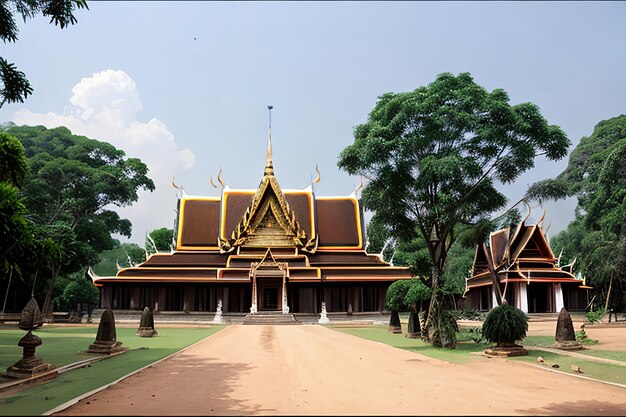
[15,86]
[123,255]
[596,175]
[16,231]
[432,157]
[76,289]
[16,234]
[23,246]
[73,181]
[161,238]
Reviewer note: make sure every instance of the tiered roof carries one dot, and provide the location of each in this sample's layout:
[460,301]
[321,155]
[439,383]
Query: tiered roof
[218,238]
[521,256]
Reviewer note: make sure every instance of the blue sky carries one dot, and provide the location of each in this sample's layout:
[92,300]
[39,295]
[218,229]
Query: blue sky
[184,85]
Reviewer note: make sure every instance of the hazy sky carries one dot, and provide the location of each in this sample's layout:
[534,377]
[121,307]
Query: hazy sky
[184,85]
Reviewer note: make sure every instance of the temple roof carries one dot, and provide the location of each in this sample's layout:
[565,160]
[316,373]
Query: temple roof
[524,255]
[219,238]
[268,221]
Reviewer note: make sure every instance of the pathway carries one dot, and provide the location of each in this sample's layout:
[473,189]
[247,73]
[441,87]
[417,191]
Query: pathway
[312,370]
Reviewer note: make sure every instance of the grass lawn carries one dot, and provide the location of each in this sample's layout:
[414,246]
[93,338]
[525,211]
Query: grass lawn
[61,346]
[380,334]
[590,368]
[607,354]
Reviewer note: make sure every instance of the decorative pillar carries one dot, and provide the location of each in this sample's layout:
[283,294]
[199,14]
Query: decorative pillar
[189,296]
[285,306]
[253,308]
[106,297]
[522,297]
[558,295]
[135,297]
[494,298]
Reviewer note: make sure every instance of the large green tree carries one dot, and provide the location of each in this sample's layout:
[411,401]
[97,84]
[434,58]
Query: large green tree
[596,175]
[433,157]
[23,246]
[159,240]
[122,255]
[15,229]
[14,86]
[72,185]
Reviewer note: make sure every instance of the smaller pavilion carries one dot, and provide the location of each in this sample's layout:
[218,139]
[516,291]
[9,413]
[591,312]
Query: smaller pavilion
[527,272]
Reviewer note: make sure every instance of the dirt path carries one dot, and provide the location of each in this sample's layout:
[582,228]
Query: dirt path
[312,370]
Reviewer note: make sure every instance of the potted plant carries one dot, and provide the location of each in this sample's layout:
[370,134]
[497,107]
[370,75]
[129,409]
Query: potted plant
[504,325]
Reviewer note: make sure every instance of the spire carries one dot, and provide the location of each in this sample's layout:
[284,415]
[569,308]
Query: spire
[269,166]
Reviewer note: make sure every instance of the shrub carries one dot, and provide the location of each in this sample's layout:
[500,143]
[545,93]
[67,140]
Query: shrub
[395,296]
[468,314]
[416,291]
[476,334]
[583,338]
[594,316]
[504,325]
[401,294]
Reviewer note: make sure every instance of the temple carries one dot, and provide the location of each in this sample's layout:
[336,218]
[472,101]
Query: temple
[529,275]
[263,249]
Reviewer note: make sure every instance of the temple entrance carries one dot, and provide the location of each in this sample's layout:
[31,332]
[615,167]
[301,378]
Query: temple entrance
[269,293]
[269,285]
[538,298]
[269,298]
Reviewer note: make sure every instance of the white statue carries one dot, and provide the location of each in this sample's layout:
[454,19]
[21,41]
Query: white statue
[218,313]
[323,317]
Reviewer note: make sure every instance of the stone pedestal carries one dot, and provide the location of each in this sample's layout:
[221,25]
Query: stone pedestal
[507,351]
[394,323]
[106,339]
[146,332]
[414,330]
[565,336]
[106,347]
[146,324]
[568,345]
[30,365]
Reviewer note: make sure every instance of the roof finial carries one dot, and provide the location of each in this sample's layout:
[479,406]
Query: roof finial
[319,175]
[219,178]
[269,167]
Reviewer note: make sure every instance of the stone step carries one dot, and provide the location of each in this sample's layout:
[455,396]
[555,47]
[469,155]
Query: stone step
[267,318]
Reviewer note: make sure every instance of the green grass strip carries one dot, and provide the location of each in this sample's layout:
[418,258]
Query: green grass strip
[590,368]
[548,341]
[606,354]
[380,334]
[61,346]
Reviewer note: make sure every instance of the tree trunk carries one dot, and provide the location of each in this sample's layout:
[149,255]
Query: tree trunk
[432,305]
[608,298]
[47,305]
[494,276]
[7,293]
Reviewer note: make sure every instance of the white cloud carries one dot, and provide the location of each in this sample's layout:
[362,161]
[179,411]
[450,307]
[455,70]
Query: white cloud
[105,107]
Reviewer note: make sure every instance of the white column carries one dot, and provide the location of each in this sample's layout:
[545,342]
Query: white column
[285,306]
[494,298]
[253,309]
[558,295]
[522,296]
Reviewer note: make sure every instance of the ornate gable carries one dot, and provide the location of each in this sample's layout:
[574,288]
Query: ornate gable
[268,221]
